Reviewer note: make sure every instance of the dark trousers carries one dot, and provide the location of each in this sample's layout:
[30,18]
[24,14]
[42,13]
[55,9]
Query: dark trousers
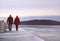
[16,27]
[10,27]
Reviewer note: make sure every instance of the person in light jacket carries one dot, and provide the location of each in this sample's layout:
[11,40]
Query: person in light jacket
[17,22]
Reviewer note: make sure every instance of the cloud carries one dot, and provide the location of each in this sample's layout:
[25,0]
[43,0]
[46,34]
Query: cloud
[30,12]
[30,7]
[30,4]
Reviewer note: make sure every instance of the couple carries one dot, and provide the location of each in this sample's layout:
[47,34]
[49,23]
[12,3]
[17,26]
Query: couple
[10,22]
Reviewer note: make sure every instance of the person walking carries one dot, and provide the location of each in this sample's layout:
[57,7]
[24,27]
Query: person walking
[10,22]
[17,22]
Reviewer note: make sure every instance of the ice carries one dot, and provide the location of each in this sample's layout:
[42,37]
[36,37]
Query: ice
[20,35]
[46,32]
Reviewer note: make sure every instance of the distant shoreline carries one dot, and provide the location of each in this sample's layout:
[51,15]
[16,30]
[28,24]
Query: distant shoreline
[40,22]
[41,26]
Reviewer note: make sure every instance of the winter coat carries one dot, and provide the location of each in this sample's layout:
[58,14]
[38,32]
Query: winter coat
[10,20]
[17,21]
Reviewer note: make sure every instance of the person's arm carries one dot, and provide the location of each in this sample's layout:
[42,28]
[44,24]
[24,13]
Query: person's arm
[19,21]
[7,20]
[12,20]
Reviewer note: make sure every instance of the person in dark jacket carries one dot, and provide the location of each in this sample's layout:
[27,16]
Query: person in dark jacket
[10,22]
[17,22]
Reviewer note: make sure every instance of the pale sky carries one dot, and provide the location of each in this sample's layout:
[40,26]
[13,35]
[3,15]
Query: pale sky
[26,8]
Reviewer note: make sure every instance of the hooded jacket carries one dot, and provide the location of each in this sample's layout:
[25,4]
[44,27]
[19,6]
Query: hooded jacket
[17,21]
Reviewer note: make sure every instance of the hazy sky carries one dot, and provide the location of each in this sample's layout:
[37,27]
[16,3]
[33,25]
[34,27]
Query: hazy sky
[24,8]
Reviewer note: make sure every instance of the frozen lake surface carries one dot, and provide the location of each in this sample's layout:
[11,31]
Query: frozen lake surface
[20,35]
[47,33]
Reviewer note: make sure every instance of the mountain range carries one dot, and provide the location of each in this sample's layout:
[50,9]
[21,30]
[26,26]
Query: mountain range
[56,18]
[40,22]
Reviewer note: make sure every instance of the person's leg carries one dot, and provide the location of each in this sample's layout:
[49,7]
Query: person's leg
[10,26]
[16,27]
[9,29]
